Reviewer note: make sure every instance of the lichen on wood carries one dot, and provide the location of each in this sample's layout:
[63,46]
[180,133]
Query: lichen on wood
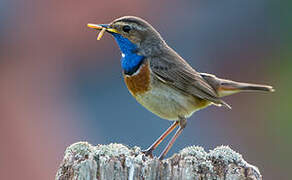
[83,161]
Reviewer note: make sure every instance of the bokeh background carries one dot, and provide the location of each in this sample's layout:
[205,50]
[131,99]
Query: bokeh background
[58,85]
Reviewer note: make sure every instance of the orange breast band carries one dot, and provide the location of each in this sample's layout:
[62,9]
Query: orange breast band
[139,82]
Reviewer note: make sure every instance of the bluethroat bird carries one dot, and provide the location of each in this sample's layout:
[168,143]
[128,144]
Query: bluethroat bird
[162,81]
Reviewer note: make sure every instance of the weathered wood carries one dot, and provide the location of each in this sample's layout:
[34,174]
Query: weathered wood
[83,161]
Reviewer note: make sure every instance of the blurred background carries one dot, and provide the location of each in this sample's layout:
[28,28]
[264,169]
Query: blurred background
[58,85]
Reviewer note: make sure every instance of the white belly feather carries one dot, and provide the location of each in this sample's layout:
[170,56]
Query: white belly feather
[168,103]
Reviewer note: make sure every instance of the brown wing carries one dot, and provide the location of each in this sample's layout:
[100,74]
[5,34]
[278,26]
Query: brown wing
[171,69]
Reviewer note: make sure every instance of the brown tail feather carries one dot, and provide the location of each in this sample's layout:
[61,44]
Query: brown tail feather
[253,87]
[227,87]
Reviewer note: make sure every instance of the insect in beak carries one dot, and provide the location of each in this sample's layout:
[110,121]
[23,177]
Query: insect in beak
[102,28]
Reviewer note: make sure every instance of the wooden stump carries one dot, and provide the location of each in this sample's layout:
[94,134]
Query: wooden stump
[83,161]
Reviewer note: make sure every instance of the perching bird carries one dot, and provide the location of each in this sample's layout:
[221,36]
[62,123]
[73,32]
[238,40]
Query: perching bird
[161,80]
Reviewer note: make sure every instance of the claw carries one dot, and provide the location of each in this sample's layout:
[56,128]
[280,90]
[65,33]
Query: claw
[148,152]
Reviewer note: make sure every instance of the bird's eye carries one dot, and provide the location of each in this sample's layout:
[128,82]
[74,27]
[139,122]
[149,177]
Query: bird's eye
[126,28]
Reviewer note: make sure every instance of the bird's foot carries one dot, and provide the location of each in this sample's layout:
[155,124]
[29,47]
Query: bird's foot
[148,152]
[161,157]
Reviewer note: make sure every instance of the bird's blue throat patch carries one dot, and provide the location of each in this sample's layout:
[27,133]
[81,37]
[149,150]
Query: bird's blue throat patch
[130,61]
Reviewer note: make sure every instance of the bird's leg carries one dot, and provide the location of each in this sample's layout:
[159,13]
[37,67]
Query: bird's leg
[160,139]
[182,125]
